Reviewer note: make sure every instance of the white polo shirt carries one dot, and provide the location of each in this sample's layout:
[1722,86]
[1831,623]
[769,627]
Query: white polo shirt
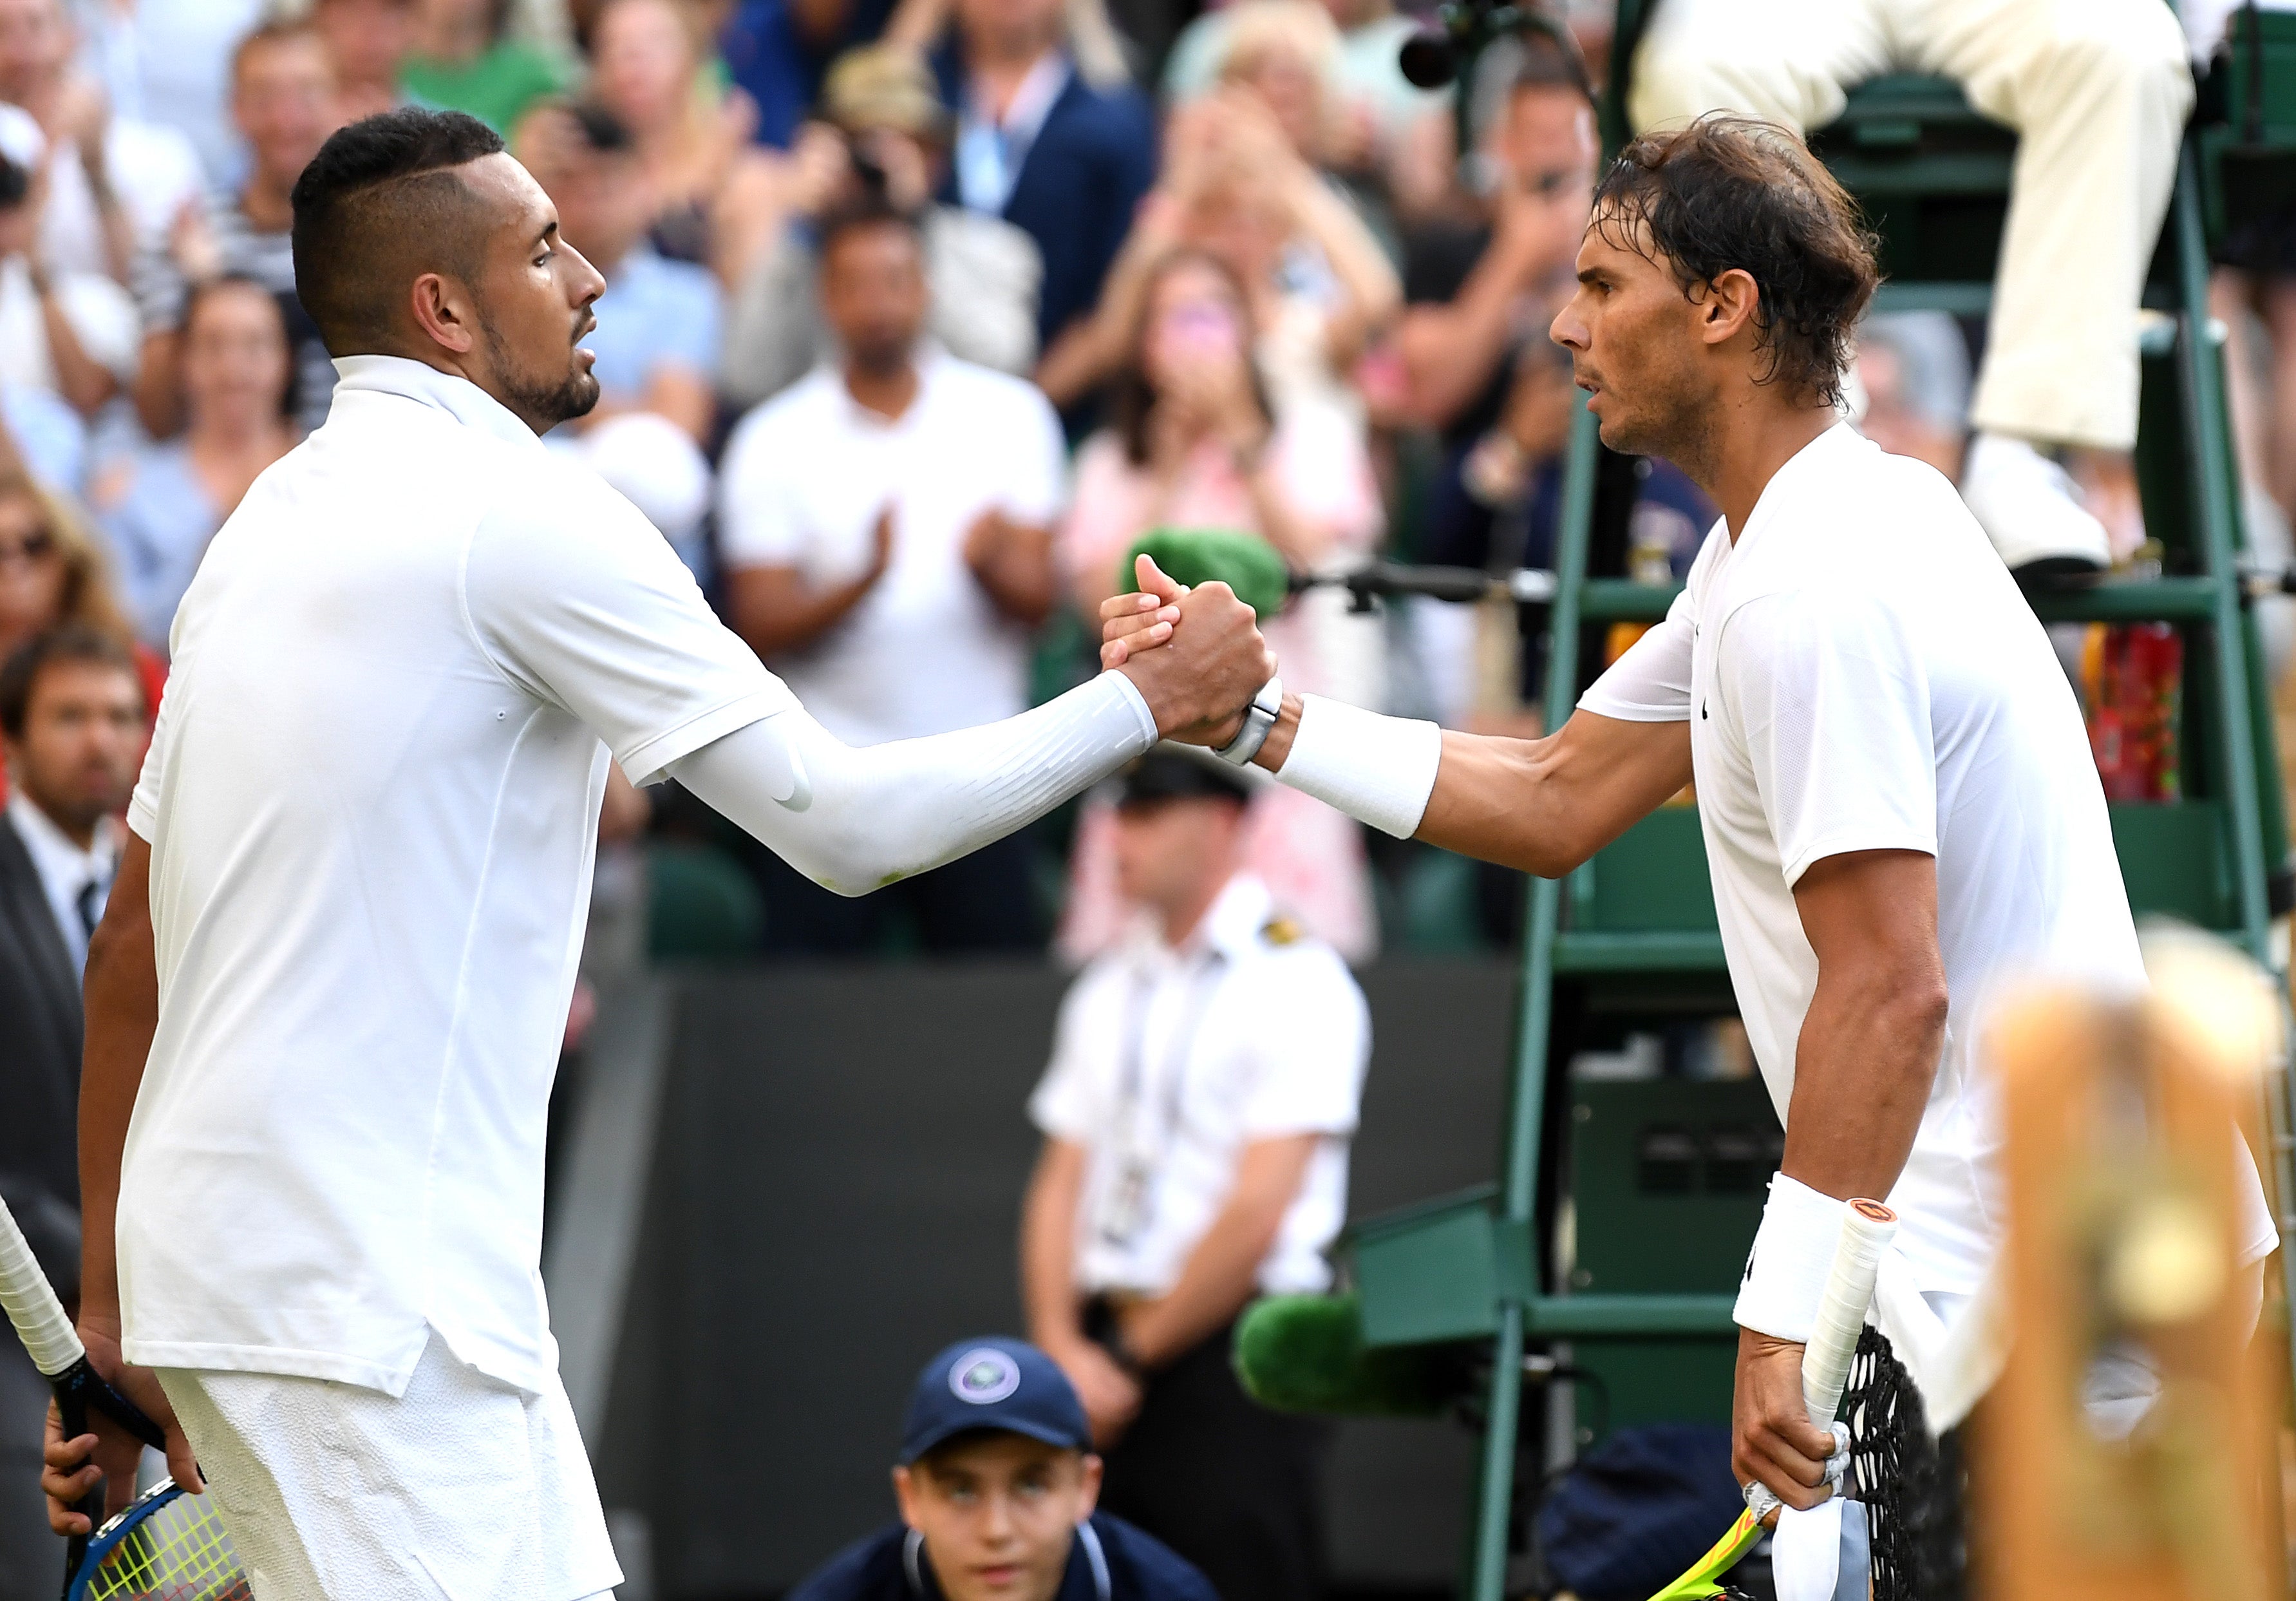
[371,801]
[804,479]
[1860,673]
[1167,1063]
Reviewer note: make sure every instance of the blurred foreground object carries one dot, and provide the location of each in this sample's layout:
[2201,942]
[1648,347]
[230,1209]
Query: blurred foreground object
[2123,1195]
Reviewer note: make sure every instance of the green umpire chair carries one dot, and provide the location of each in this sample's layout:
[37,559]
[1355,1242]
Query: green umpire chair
[1622,1209]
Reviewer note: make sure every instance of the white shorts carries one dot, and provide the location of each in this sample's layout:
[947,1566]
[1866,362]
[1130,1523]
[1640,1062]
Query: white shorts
[465,1489]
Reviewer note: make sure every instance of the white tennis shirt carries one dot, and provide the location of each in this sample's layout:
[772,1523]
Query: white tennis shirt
[371,801]
[1860,673]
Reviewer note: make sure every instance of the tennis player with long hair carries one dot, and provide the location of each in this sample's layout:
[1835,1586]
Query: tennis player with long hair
[324,1005]
[1899,801]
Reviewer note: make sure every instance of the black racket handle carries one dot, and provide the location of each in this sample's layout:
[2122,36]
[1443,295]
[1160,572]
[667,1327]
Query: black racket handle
[71,1404]
[76,1388]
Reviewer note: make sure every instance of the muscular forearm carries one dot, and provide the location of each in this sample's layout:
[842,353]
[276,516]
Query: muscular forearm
[1541,806]
[854,820]
[1869,1045]
[122,998]
[1868,1055]
[1048,1293]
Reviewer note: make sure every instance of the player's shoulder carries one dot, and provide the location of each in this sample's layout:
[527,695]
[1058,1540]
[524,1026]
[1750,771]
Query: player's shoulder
[1879,489]
[547,500]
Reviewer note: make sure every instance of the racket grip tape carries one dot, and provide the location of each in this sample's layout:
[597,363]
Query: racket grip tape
[31,1303]
[1867,1228]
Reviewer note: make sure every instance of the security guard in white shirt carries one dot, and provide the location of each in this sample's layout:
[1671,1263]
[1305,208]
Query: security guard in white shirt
[1204,1087]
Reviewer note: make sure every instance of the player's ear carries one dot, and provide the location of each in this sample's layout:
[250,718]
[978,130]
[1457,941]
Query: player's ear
[1729,306]
[905,1491]
[1088,1475]
[443,314]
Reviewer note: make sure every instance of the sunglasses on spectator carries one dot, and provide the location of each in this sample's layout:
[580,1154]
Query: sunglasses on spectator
[38,547]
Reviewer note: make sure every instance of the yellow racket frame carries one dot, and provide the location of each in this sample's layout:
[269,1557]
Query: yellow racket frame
[1704,1578]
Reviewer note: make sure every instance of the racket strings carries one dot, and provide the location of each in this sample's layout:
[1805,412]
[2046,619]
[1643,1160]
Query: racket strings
[178,1551]
[1914,1485]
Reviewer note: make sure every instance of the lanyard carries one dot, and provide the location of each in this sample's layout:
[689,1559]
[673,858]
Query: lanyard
[1133,1080]
[1125,1210]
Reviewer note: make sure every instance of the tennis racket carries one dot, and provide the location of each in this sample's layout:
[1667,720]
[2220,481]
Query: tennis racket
[1867,1228]
[166,1546]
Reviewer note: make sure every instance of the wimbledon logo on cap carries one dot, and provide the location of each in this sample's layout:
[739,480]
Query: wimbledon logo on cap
[984,1376]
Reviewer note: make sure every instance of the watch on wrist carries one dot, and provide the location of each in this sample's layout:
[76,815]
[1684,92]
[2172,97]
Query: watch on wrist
[1259,718]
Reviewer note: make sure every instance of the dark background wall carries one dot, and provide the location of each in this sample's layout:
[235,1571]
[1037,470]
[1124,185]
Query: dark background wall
[836,1194]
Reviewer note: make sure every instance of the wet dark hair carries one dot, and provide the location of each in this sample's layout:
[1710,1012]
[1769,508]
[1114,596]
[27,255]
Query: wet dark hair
[1737,193]
[377,191]
[68,642]
[1131,397]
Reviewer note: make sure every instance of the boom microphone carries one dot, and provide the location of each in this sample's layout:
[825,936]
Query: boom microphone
[1305,1353]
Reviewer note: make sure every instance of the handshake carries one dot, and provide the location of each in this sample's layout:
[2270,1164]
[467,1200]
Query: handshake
[1195,655]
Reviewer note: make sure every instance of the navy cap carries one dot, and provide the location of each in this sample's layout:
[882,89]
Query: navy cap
[993,1384]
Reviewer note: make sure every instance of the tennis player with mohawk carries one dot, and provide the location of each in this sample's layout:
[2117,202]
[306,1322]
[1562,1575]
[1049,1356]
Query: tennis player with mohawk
[324,1005]
[1899,806]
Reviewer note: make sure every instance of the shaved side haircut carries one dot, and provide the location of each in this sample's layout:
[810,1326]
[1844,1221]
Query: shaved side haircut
[379,205]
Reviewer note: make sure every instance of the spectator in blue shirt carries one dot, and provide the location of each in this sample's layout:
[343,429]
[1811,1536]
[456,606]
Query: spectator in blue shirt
[658,334]
[1052,136]
[997,1485]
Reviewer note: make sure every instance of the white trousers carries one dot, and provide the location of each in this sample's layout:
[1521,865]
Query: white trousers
[464,1488]
[2097,90]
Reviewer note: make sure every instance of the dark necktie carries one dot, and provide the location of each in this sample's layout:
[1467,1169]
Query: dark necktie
[91,905]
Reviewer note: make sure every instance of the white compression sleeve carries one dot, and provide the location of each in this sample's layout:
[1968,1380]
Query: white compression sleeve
[1379,770]
[855,819]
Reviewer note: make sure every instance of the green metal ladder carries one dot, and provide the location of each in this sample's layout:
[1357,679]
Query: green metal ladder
[1637,921]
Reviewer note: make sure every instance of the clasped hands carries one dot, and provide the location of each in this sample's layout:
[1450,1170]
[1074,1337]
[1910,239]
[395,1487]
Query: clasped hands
[1195,655]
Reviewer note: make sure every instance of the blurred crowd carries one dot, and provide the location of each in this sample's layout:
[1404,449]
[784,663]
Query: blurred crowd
[920,313]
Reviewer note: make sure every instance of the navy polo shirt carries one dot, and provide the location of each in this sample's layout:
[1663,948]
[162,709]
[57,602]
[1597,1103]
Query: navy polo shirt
[1132,1566]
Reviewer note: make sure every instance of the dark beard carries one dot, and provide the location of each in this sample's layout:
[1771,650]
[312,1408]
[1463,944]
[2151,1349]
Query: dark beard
[1682,434]
[542,401]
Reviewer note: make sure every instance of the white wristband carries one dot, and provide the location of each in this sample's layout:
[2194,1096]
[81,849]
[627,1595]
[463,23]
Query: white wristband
[1791,1259]
[1377,769]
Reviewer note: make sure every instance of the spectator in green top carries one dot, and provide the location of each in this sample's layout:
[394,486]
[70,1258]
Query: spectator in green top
[463,62]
